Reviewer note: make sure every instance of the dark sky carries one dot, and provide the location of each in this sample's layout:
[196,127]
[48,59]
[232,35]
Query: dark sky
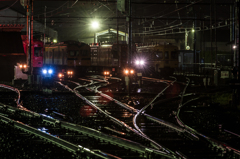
[72,18]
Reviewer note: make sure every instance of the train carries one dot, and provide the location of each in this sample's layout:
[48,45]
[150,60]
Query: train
[161,59]
[67,58]
[109,58]
[72,58]
[37,52]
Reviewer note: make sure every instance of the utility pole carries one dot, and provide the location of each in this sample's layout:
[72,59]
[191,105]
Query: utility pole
[45,21]
[30,39]
[215,35]
[211,33]
[130,34]
[237,39]
[118,53]
[194,45]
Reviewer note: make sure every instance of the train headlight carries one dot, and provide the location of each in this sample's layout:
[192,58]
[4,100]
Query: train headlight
[126,72]
[140,62]
[70,72]
[106,73]
[50,71]
[132,71]
[25,66]
[44,71]
[21,66]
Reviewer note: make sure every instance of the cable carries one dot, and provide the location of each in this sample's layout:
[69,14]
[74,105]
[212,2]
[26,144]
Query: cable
[52,10]
[74,3]
[174,11]
[9,6]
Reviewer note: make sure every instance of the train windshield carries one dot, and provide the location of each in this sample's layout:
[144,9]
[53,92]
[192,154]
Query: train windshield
[166,55]
[174,55]
[159,54]
[38,52]
[73,53]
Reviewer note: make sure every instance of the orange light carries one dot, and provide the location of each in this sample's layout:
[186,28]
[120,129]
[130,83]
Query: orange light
[20,66]
[60,75]
[126,71]
[70,72]
[107,73]
[25,66]
[132,71]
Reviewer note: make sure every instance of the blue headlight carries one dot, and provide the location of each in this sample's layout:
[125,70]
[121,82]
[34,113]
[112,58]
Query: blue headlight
[44,71]
[50,71]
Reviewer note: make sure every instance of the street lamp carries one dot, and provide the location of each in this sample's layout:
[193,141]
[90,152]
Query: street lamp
[95,26]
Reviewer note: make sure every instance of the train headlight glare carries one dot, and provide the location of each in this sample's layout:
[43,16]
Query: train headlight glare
[50,71]
[126,71]
[137,62]
[141,62]
[44,71]
[20,66]
[70,72]
[132,71]
[25,66]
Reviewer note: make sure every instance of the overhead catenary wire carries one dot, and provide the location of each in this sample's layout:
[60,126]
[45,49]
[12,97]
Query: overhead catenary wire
[9,6]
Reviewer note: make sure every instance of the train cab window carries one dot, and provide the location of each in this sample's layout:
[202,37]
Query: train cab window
[159,54]
[84,52]
[166,55]
[115,54]
[71,53]
[174,55]
[77,53]
[38,51]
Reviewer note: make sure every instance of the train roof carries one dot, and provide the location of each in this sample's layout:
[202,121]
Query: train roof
[65,43]
[156,46]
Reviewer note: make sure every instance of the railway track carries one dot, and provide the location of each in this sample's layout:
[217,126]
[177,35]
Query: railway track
[153,130]
[111,143]
[110,108]
[184,136]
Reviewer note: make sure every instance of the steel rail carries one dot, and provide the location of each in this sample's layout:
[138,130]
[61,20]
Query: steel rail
[133,110]
[137,111]
[145,107]
[214,142]
[112,118]
[50,138]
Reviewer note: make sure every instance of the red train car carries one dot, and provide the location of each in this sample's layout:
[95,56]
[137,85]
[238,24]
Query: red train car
[37,52]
